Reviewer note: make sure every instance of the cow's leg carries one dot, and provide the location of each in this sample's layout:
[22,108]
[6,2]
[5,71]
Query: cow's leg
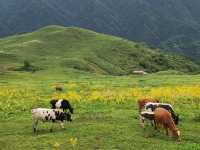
[52,125]
[142,121]
[167,132]
[152,123]
[155,125]
[35,123]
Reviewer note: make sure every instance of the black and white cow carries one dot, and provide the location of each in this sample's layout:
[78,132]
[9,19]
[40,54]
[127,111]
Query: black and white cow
[152,106]
[61,104]
[146,116]
[49,115]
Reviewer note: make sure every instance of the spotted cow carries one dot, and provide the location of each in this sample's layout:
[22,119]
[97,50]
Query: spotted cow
[49,115]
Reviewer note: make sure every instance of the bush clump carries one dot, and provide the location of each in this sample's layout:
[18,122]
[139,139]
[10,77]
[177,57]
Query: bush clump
[27,66]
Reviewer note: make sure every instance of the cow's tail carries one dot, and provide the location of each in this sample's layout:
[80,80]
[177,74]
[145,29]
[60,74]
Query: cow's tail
[70,108]
[174,116]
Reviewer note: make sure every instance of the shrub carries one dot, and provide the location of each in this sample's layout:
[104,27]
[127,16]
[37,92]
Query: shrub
[28,67]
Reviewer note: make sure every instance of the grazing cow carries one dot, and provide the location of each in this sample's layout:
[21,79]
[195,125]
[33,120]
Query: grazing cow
[152,106]
[49,115]
[61,104]
[163,118]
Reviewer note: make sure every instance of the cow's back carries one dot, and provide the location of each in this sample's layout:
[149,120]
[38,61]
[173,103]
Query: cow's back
[43,113]
[162,116]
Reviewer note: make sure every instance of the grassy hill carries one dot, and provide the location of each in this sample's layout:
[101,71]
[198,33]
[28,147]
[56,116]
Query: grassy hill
[56,48]
[172,25]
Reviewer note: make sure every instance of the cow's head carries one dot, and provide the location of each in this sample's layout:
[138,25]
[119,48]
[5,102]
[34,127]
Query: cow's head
[66,104]
[53,103]
[178,135]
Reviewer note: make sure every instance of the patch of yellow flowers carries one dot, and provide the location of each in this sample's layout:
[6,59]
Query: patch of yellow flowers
[14,98]
[19,99]
[168,93]
[177,92]
[72,141]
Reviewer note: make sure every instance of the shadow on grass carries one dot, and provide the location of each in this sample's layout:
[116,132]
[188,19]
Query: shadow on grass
[48,131]
[159,134]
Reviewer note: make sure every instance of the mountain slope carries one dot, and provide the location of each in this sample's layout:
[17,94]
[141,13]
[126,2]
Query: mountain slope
[167,24]
[60,48]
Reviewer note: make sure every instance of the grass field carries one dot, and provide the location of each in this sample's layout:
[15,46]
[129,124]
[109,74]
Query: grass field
[106,114]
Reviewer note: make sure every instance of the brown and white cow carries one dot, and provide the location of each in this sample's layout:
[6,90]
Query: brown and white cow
[163,118]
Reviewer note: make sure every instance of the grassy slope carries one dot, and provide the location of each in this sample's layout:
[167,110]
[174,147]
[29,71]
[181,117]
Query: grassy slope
[56,48]
[96,125]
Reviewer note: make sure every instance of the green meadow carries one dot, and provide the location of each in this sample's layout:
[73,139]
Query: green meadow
[95,72]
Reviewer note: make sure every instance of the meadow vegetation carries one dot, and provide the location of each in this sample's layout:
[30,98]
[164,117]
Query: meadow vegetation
[106,113]
[94,72]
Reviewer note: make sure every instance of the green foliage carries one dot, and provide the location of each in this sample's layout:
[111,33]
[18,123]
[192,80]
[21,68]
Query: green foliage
[27,67]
